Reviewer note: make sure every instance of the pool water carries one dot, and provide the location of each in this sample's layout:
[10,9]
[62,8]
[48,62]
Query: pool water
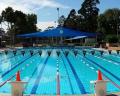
[63,74]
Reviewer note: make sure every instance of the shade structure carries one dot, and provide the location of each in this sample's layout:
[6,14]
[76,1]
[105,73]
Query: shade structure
[77,37]
[58,32]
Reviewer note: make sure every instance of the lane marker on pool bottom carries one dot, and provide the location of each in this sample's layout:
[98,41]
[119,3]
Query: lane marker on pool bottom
[35,69]
[108,60]
[103,73]
[70,83]
[36,84]
[79,83]
[106,76]
[11,70]
[15,66]
[10,57]
[117,78]
[8,79]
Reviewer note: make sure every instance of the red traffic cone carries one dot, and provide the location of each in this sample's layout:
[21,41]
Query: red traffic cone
[99,75]
[18,76]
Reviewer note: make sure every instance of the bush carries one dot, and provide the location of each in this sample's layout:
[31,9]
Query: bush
[112,39]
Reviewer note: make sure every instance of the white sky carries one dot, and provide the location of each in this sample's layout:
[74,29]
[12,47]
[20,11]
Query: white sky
[44,25]
[32,6]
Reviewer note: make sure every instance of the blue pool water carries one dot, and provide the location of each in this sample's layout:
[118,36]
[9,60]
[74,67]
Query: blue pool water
[63,74]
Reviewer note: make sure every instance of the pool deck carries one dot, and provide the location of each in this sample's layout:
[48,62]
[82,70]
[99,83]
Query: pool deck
[114,48]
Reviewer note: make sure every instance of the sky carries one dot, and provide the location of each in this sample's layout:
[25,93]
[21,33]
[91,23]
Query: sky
[46,9]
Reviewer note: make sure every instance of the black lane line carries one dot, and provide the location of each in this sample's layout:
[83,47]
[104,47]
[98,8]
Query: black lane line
[36,84]
[68,77]
[115,84]
[5,60]
[8,80]
[102,68]
[111,55]
[3,83]
[13,64]
[33,74]
[97,55]
[103,74]
[80,85]
[16,66]
[13,54]
[108,59]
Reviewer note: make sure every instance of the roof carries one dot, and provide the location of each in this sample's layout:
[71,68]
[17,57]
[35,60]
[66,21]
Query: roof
[77,37]
[58,32]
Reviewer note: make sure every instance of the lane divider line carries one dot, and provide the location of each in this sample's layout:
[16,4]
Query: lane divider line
[103,69]
[16,66]
[106,76]
[58,84]
[32,74]
[80,85]
[103,73]
[3,83]
[36,84]
[58,78]
[70,83]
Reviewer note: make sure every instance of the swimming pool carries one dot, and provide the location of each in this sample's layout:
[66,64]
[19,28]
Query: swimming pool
[60,73]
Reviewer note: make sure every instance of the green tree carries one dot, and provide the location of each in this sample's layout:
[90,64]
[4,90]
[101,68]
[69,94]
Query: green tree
[31,22]
[108,24]
[70,22]
[88,15]
[18,22]
[109,21]
[8,17]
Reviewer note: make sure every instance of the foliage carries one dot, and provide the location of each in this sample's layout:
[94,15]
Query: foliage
[112,39]
[18,22]
[89,14]
[86,19]
[109,21]
[71,19]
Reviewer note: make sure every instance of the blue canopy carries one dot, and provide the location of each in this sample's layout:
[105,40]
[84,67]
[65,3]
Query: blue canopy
[58,32]
[77,37]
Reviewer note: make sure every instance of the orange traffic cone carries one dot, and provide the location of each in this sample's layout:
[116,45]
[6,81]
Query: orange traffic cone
[18,76]
[99,75]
